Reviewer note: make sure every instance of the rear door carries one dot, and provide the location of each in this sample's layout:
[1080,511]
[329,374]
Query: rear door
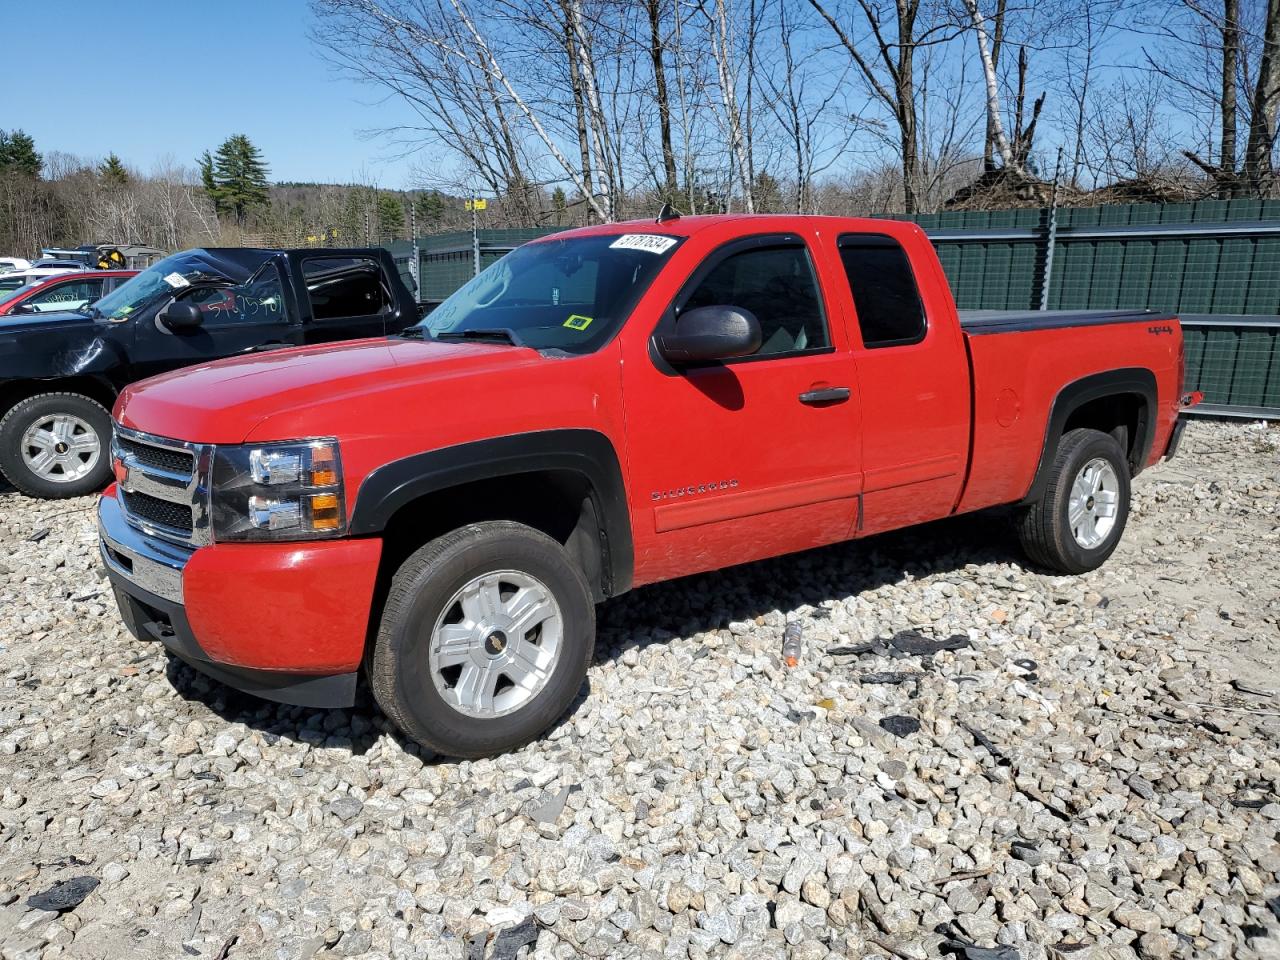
[343,297]
[753,457]
[914,377]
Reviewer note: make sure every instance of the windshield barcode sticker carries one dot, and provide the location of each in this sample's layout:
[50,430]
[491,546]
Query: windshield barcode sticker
[177,281]
[648,242]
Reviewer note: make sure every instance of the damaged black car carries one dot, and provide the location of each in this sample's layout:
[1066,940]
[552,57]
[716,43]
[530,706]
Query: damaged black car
[60,373]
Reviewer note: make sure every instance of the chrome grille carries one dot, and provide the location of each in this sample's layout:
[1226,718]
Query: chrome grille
[164,485]
[180,462]
[164,513]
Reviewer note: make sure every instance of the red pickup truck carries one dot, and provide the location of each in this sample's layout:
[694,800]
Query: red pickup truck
[602,409]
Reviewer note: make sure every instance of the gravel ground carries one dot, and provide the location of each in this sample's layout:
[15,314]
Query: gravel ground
[1093,773]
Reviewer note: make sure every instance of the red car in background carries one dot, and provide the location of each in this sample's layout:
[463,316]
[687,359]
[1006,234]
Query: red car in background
[62,291]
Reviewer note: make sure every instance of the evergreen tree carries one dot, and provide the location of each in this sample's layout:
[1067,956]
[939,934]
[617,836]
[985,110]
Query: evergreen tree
[112,171]
[206,173]
[18,154]
[239,177]
[390,215]
[560,204]
[428,208]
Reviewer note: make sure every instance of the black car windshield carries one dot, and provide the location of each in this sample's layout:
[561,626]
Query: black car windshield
[568,294]
[161,279]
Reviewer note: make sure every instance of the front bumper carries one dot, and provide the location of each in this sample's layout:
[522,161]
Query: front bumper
[286,622]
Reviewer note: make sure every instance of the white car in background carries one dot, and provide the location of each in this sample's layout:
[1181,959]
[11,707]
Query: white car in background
[20,278]
[10,264]
[57,264]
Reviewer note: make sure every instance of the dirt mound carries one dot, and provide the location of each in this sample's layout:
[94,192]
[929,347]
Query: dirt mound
[1004,189]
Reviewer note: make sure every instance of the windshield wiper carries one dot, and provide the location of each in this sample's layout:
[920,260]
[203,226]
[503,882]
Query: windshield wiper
[483,333]
[412,333]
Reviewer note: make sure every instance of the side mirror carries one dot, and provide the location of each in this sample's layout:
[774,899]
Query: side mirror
[710,333]
[181,315]
[24,308]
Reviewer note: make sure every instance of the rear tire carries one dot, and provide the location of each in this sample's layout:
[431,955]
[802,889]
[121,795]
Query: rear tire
[1078,521]
[56,445]
[484,641]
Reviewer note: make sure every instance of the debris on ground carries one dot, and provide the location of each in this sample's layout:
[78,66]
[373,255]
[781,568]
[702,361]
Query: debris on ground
[64,896]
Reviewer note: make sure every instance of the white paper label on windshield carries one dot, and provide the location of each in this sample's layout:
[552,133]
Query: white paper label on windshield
[177,281]
[648,242]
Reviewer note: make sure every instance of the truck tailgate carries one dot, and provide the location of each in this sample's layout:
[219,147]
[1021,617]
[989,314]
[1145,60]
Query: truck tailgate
[1020,362]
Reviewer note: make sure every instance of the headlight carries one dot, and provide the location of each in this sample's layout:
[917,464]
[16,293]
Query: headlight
[278,491]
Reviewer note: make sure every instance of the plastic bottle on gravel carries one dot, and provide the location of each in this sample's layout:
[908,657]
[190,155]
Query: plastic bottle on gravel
[792,644]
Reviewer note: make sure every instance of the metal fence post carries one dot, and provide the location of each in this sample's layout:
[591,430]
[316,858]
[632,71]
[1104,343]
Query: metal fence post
[1052,237]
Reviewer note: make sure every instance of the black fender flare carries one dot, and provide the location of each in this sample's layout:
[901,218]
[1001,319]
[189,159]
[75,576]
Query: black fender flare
[586,452]
[1109,383]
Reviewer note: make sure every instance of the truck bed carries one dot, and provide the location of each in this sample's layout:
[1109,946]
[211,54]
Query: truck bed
[979,322]
[1017,378]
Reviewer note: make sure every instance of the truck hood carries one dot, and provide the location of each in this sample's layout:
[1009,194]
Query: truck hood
[54,345]
[222,402]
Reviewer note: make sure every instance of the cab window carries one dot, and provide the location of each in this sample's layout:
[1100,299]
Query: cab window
[777,284]
[890,312]
[345,287]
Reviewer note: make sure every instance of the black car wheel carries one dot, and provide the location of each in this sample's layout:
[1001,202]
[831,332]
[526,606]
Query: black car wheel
[56,445]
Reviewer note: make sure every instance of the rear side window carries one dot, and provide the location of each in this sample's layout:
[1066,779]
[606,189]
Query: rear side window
[345,287]
[890,312]
[776,284]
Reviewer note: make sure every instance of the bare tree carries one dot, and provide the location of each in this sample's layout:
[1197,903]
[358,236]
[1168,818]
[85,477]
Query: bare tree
[889,71]
[1259,168]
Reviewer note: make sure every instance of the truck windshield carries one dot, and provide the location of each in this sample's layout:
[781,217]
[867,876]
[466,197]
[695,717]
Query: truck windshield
[567,294]
[163,278]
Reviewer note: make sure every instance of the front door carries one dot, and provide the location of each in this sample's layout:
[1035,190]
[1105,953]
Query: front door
[747,458]
[239,319]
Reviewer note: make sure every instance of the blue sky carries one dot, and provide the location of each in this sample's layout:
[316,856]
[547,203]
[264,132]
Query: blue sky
[185,75]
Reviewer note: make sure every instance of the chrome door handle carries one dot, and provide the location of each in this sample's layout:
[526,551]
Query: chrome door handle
[827,395]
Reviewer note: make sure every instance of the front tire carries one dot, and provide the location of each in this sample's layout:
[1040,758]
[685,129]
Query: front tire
[1078,521]
[56,445]
[484,640]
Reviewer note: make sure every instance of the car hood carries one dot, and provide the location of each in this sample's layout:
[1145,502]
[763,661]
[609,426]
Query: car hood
[224,401]
[35,322]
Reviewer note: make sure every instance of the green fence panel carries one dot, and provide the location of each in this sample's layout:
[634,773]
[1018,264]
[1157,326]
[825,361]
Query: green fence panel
[1264,283]
[1253,362]
[1231,279]
[1198,278]
[1193,355]
[1073,269]
[1271,394]
[1108,268]
[1218,367]
[1135,277]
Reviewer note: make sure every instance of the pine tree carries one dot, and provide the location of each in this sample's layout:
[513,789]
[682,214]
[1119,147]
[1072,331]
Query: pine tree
[429,210]
[206,174]
[239,177]
[113,172]
[560,204]
[390,216]
[18,154]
